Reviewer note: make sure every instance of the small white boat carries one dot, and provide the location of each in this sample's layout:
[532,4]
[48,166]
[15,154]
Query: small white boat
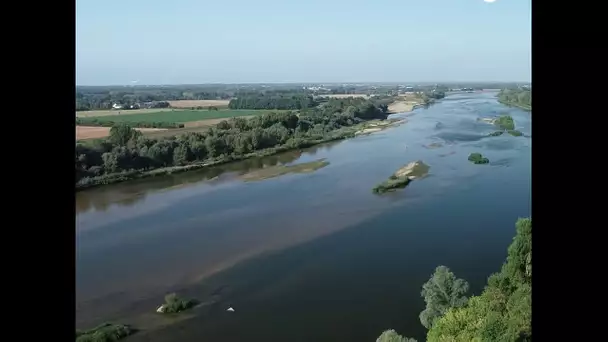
[230,309]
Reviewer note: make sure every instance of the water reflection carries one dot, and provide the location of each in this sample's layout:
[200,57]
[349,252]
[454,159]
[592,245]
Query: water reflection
[131,193]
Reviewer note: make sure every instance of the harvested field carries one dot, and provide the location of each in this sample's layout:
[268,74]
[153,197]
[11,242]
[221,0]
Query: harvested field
[198,103]
[115,112]
[87,132]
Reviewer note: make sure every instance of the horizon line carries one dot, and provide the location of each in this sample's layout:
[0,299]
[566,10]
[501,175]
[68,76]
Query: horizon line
[286,83]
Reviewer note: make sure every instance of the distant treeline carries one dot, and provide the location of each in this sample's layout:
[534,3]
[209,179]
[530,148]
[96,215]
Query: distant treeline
[105,123]
[266,101]
[516,97]
[127,152]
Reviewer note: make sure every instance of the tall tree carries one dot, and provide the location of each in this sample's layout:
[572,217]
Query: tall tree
[442,292]
[392,336]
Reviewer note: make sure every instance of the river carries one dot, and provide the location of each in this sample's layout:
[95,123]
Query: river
[313,256]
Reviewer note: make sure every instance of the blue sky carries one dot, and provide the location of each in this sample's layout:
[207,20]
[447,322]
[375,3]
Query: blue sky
[251,41]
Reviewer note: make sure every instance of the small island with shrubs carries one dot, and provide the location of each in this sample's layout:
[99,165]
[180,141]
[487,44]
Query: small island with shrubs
[106,332]
[506,123]
[477,158]
[402,177]
[174,304]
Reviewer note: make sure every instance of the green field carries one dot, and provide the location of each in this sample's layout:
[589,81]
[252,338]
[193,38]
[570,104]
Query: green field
[176,116]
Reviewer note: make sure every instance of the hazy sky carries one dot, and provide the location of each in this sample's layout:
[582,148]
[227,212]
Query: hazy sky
[242,41]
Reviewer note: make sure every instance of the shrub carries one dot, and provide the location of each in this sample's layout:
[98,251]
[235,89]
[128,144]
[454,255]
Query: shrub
[477,158]
[106,332]
[175,304]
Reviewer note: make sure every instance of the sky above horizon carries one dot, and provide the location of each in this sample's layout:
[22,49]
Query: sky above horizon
[279,41]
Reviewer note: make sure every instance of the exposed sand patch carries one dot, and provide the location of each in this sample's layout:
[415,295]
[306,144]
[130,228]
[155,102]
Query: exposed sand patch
[279,170]
[88,132]
[405,103]
[379,125]
[198,103]
[368,130]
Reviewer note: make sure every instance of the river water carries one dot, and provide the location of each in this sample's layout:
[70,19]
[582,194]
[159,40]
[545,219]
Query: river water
[314,256]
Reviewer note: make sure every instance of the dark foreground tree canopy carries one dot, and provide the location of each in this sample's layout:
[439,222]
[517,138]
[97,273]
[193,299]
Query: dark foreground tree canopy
[126,150]
[503,311]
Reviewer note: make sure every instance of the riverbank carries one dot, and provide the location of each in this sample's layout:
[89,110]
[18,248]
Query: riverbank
[363,128]
[518,105]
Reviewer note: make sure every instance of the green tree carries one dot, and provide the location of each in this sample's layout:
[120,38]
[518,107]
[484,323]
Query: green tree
[121,134]
[442,292]
[503,312]
[392,336]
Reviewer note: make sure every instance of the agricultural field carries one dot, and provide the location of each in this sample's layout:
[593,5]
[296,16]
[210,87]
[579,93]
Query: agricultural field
[193,120]
[114,112]
[199,103]
[86,132]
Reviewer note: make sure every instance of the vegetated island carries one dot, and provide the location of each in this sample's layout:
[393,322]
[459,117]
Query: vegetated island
[520,97]
[505,123]
[127,154]
[106,332]
[402,177]
[502,312]
[279,170]
[477,158]
[174,304]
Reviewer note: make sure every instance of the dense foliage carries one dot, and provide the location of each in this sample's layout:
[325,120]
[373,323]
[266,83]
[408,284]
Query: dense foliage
[104,333]
[442,292]
[392,336]
[126,152]
[517,97]
[503,311]
[103,97]
[280,101]
[505,122]
[477,158]
[391,184]
[175,304]
[97,122]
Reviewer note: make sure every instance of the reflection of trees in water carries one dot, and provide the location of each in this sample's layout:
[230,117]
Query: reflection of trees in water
[137,190]
[289,157]
[83,202]
[131,200]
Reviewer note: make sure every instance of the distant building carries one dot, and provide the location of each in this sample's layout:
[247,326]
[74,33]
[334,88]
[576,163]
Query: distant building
[116,106]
